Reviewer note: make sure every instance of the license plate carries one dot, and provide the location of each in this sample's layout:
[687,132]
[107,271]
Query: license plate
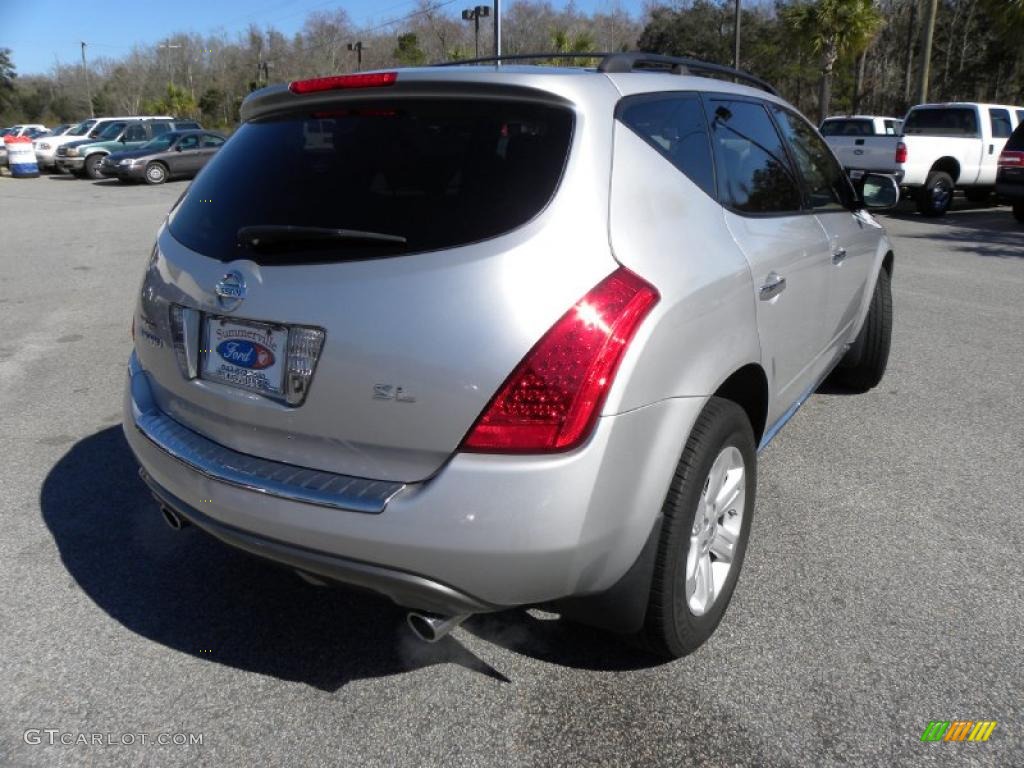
[244,354]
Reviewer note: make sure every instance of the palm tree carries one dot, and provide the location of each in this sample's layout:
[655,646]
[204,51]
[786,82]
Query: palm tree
[834,28]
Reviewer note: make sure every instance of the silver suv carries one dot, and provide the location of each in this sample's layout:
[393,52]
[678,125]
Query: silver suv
[485,336]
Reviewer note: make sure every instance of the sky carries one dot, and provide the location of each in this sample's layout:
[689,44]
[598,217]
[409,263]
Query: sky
[39,32]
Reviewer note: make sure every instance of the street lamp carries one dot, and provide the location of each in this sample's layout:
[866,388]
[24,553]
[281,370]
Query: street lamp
[358,48]
[474,15]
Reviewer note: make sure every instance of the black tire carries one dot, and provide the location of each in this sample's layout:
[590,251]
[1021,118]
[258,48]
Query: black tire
[936,196]
[156,173]
[978,194]
[1018,210]
[92,166]
[864,363]
[671,628]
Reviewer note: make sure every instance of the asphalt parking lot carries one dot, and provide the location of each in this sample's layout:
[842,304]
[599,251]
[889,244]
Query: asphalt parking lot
[883,587]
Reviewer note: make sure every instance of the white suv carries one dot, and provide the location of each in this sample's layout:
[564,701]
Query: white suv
[480,337]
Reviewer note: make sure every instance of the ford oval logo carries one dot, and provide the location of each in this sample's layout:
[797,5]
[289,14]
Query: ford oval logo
[230,290]
[246,354]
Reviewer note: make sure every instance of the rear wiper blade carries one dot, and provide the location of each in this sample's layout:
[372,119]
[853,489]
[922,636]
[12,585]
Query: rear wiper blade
[280,234]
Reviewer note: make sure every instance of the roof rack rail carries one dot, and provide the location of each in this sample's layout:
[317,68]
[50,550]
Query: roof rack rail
[631,62]
[679,65]
[522,57]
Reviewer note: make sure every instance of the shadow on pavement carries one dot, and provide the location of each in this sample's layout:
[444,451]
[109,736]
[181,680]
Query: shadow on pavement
[189,592]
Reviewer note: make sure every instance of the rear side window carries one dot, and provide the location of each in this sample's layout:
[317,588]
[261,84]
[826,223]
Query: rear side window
[847,128]
[942,121]
[827,183]
[754,173]
[675,126]
[1020,116]
[438,173]
[1001,125]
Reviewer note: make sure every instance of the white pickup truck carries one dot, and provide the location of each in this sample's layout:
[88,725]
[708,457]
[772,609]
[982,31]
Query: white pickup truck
[942,147]
[863,142]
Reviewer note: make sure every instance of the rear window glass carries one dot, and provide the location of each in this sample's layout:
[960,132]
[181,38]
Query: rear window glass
[437,173]
[847,128]
[945,121]
[1016,141]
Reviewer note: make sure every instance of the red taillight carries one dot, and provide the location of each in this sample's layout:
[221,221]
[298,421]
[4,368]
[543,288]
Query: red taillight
[901,152]
[1011,159]
[551,400]
[340,82]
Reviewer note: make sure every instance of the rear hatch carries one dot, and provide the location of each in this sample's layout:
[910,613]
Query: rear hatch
[347,284]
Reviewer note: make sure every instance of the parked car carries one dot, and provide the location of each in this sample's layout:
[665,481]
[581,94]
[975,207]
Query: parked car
[83,158]
[1010,176]
[178,154]
[479,337]
[46,147]
[952,146]
[29,130]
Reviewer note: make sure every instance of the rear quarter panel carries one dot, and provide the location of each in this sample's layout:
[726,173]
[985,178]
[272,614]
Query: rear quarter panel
[669,231]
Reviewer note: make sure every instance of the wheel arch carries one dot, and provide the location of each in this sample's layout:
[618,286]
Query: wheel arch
[948,165]
[748,388]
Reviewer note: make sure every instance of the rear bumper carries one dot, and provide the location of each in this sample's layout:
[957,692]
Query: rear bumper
[403,588]
[486,532]
[1013,191]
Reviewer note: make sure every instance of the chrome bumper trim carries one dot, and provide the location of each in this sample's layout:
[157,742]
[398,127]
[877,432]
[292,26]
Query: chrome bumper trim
[274,478]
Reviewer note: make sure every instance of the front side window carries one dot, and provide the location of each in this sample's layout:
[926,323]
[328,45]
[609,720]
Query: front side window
[674,125]
[188,142]
[209,140]
[891,127]
[112,131]
[135,133]
[1001,125]
[754,172]
[826,181]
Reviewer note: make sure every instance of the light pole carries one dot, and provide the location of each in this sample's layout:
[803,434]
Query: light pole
[474,15]
[88,89]
[358,48]
[497,31]
[736,39]
[170,64]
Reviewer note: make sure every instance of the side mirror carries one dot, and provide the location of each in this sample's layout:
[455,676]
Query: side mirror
[179,148]
[124,139]
[879,192]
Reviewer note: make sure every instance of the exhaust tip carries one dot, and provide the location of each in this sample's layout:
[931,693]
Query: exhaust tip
[430,627]
[172,518]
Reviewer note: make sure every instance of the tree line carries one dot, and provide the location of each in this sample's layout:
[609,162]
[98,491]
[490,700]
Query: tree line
[825,56]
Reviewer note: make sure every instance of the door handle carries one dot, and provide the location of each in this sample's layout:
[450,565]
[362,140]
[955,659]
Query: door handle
[991,148]
[838,255]
[772,287]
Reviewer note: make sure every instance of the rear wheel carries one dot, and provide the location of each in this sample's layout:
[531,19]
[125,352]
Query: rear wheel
[707,516]
[1018,210]
[865,361]
[156,173]
[92,166]
[936,196]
